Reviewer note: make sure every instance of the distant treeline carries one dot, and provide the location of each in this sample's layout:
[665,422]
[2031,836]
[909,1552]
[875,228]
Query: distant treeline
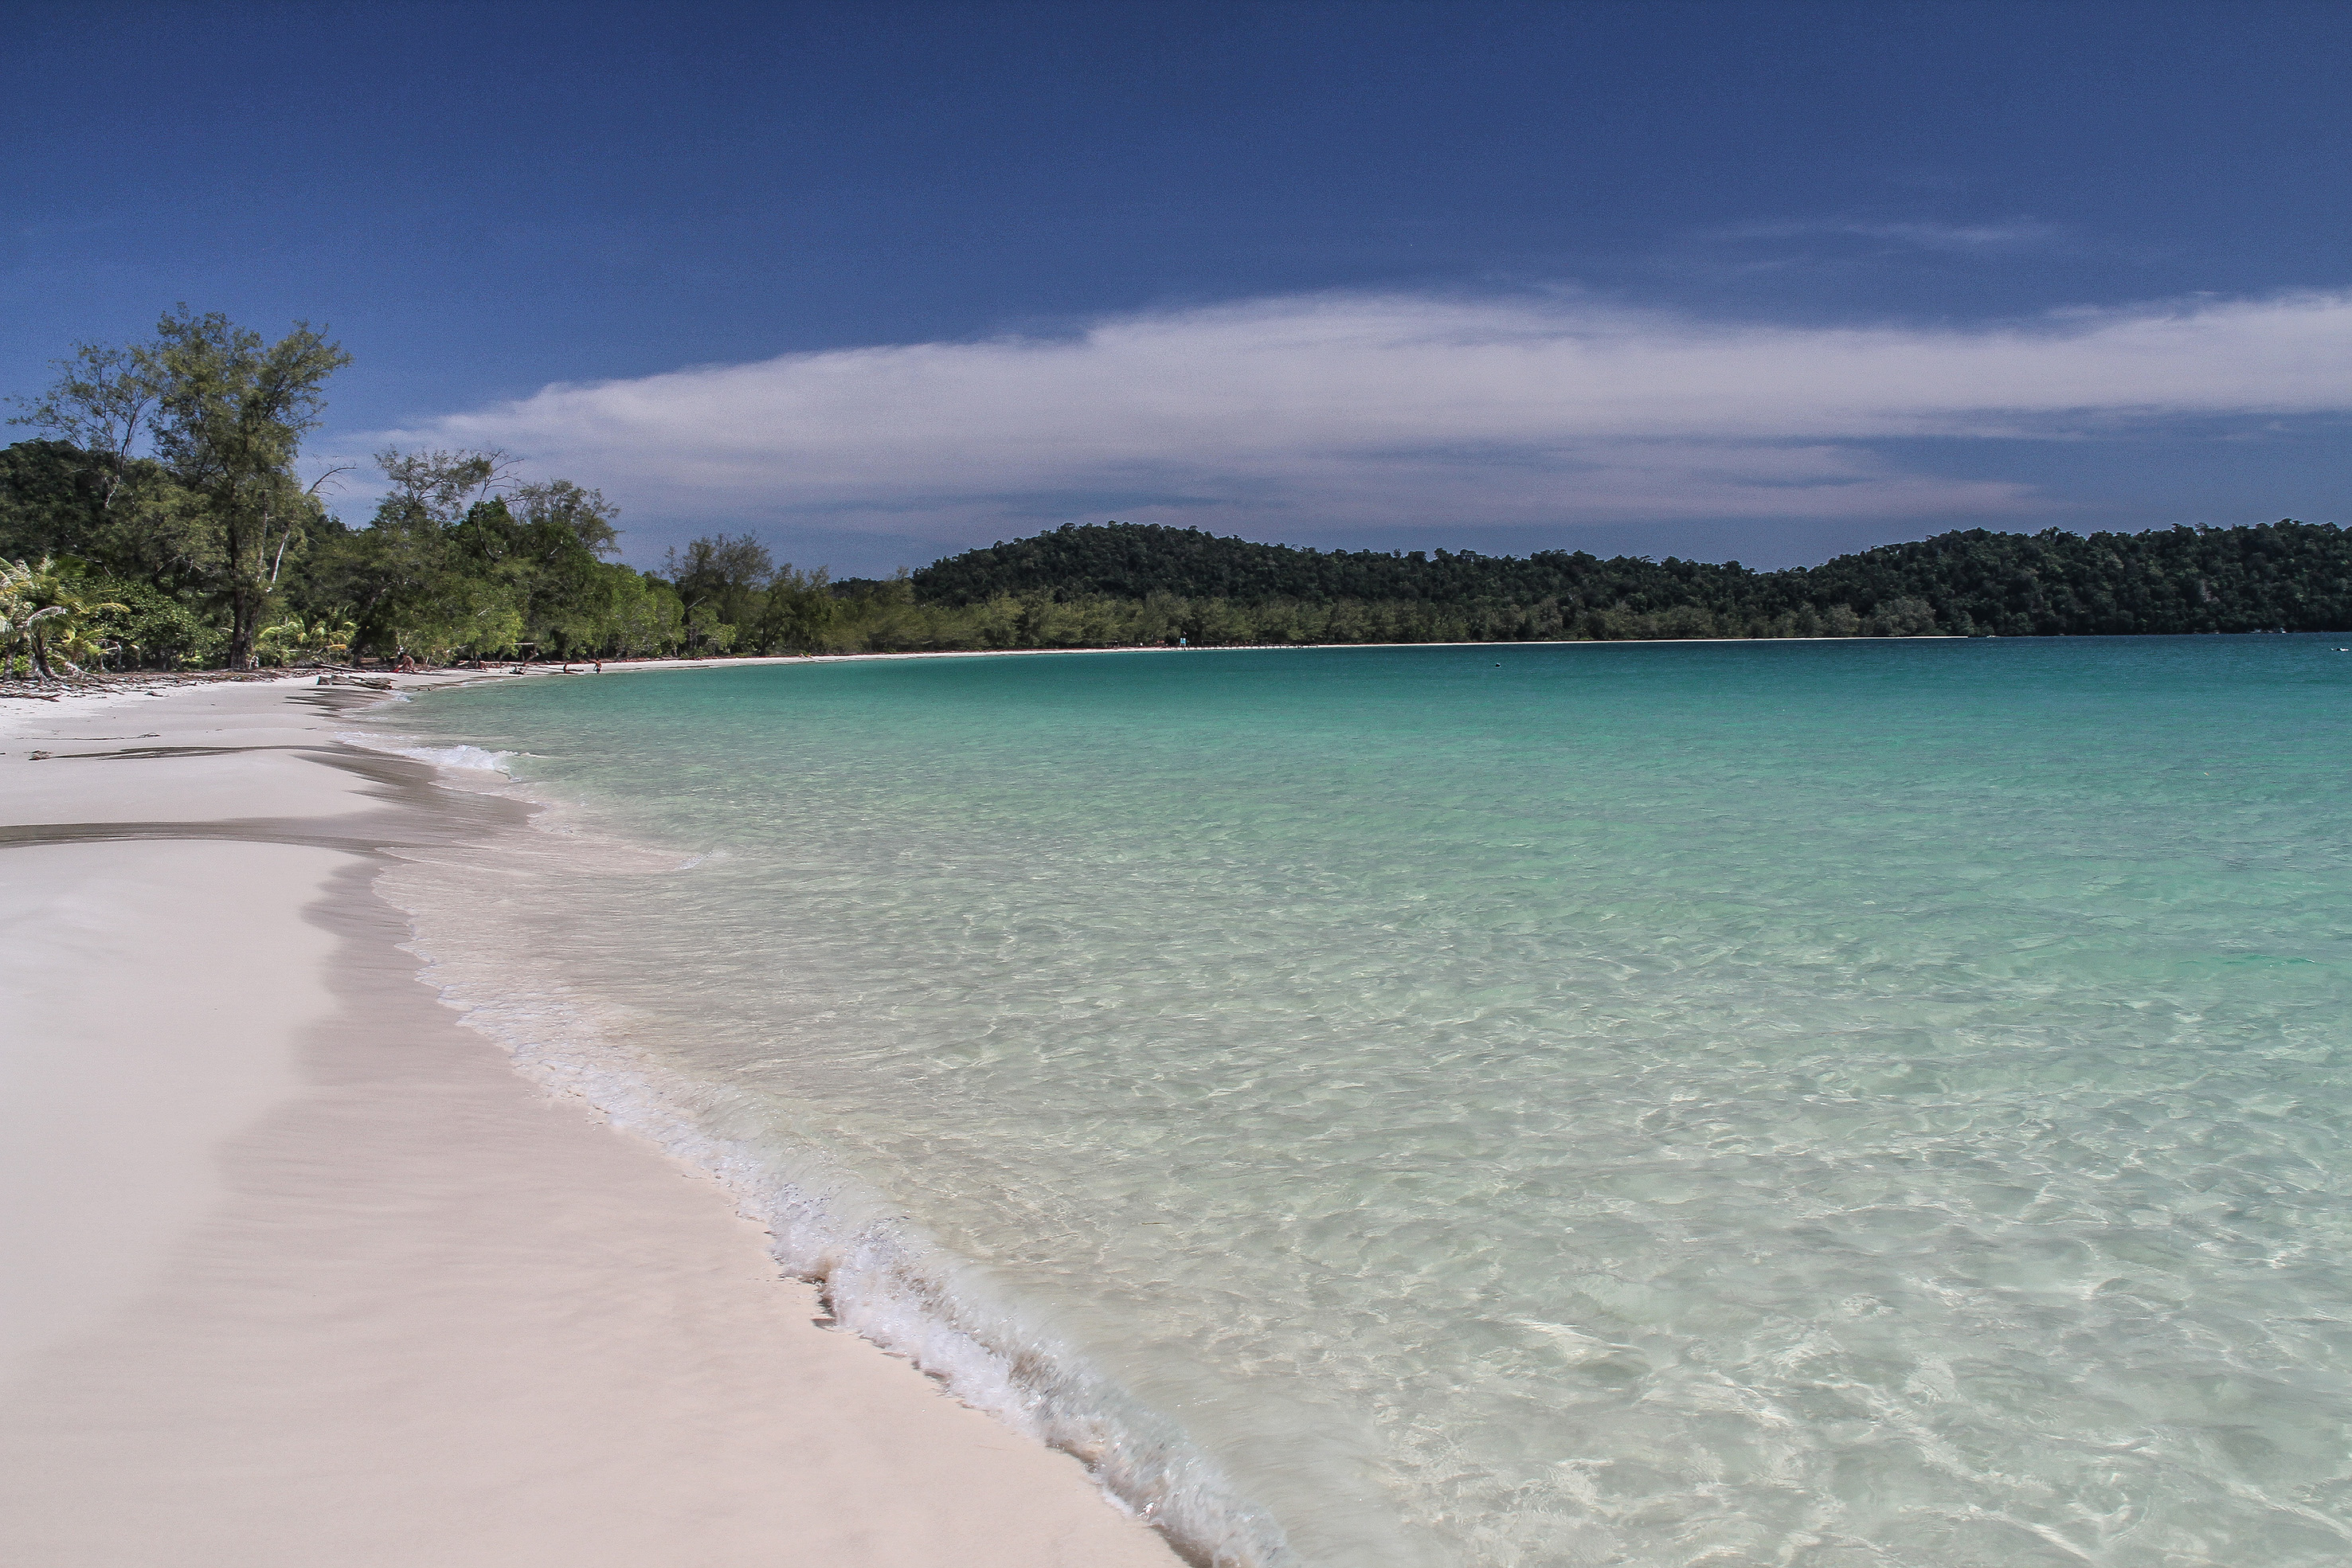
[160,522]
[1119,584]
[2293,575]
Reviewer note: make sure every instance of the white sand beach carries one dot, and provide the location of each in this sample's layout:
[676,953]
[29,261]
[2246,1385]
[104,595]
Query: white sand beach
[301,1272]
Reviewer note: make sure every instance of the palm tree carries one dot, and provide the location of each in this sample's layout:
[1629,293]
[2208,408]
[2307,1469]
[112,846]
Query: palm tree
[44,608]
[13,624]
[15,612]
[293,639]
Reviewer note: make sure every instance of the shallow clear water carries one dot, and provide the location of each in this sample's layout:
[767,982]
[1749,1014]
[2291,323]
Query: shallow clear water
[1812,1104]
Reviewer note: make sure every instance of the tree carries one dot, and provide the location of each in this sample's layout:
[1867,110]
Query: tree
[211,502]
[635,613]
[403,578]
[442,486]
[800,612]
[718,581]
[561,504]
[547,539]
[231,410]
[100,402]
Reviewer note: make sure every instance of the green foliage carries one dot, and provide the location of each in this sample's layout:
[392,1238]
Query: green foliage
[99,406]
[49,611]
[2288,575]
[450,569]
[59,500]
[50,502]
[159,629]
[231,410]
[719,580]
[1131,560]
[631,616]
[212,502]
[293,640]
[798,613]
[170,474]
[1124,586]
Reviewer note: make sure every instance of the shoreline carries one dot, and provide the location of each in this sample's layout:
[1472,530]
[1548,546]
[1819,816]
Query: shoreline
[309,1273]
[112,686]
[618,667]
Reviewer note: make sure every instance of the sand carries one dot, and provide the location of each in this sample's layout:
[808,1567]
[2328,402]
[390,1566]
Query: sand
[298,1270]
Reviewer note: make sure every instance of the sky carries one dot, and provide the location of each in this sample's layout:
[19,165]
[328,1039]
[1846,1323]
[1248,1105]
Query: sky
[880,282]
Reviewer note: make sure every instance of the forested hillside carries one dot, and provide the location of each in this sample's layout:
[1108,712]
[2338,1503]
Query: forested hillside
[2293,575]
[1128,561]
[2289,576]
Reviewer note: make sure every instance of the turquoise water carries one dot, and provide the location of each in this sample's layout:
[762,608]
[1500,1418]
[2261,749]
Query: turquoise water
[1822,1103]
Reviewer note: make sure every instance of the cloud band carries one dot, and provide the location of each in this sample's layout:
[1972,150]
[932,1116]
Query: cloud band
[1384,409]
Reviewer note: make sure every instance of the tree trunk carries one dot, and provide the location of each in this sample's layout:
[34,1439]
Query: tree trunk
[245,604]
[247,596]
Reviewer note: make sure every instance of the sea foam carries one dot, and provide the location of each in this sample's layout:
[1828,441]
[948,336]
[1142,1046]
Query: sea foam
[463,758]
[472,758]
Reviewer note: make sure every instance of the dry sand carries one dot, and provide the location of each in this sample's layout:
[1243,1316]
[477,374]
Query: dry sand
[298,1272]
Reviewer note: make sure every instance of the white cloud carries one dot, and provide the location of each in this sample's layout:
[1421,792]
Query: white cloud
[1967,239]
[2014,236]
[1386,408]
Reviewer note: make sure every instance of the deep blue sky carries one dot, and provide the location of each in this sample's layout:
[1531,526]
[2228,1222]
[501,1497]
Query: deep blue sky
[483,200]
